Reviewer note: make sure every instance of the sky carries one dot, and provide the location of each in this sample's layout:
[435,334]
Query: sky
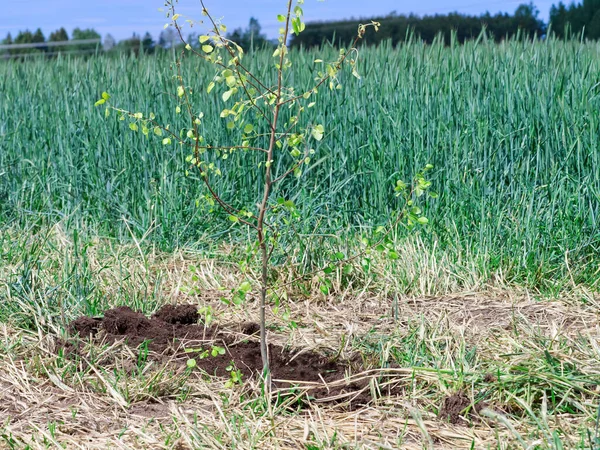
[121,18]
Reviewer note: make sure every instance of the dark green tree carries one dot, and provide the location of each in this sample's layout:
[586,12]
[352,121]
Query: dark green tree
[39,38]
[559,20]
[526,18]
[89,33]
[6,41]
[578,20]
[59,35]
[148,43]
[24,37]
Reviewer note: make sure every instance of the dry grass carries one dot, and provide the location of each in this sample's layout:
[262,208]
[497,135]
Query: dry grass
[533,362]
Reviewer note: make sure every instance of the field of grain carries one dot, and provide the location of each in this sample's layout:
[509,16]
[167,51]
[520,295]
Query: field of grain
[483,333]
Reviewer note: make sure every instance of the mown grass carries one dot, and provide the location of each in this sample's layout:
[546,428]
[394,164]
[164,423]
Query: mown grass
[511,129]
[527,369]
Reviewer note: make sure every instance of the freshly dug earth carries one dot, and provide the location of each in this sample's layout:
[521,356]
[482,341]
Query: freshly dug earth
[458,406]
[177,331]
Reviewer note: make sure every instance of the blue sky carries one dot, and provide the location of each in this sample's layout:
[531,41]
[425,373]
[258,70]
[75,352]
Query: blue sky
[123,17]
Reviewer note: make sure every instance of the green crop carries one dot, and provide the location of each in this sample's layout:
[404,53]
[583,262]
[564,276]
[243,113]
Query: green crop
[512,131]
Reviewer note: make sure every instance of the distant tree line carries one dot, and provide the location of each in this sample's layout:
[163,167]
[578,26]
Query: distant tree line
[580,19]
[576,20]
[136,44]
[37,37]
[168,40]
[524,22]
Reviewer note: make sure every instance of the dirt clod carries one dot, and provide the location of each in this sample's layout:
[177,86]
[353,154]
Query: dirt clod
[178,314]
[454,408]
[85,326]
[124,321]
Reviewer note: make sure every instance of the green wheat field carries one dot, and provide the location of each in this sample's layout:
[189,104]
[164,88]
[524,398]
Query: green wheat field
[496,298]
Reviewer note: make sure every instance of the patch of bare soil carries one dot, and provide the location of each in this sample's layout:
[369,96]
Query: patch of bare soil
[457,408]
[177,332]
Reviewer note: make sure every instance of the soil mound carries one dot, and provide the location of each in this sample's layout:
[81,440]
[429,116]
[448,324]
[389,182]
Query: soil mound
[177,332]
[178,314]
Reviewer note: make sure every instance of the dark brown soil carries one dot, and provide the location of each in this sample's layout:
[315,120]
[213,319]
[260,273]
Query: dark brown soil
[176,331]
[457,407]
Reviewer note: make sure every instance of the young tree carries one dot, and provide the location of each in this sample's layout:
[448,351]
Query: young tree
[269,118]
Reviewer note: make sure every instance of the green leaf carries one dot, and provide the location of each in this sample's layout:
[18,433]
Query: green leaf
[227,94]
[423,220]
[216,351]
[133,126]
[280,18]
[207,48]
[233,218]
[100,102]
[324,289]
[191,363]
[393,255]
[158,131]
[166,141]
[203,39]
[248,128]
[105,96]
[230,81]
[180,91]
[245,287]
[210,87]
[317,132]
